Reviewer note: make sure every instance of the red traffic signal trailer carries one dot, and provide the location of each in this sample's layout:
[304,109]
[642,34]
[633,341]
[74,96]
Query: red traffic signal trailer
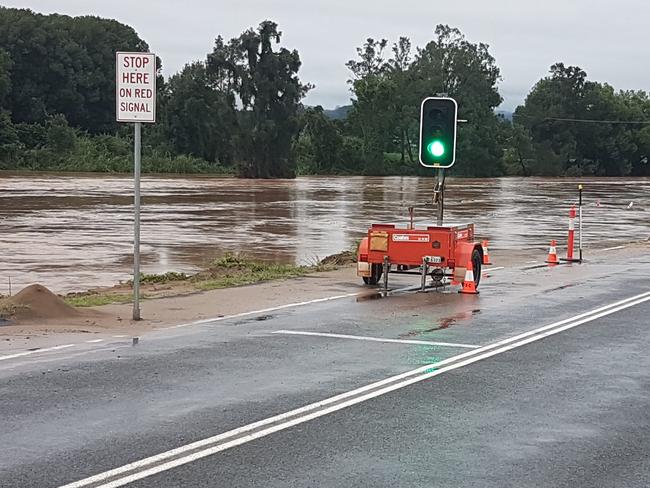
[439,250]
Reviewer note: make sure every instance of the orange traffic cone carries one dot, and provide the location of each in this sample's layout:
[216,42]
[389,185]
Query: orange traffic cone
[469,287]
[552,254]
[486,256]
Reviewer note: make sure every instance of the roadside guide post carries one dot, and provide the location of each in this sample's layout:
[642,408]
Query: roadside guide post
[135,101]
[580,220]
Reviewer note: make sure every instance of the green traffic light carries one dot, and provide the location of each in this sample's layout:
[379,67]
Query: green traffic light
[436,149]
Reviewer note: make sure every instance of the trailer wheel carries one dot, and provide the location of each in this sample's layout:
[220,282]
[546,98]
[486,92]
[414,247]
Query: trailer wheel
[477,262]
[373,279]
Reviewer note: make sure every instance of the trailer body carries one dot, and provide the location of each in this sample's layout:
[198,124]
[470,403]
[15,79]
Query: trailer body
[449,247]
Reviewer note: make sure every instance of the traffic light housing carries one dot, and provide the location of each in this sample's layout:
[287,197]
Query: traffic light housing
[438,118]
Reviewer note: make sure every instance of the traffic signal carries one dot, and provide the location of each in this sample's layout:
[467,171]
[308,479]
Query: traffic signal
[438,117]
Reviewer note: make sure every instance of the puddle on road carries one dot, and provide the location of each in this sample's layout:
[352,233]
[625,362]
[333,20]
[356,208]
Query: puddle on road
[443,323]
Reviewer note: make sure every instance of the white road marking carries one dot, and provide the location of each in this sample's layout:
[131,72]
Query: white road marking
[374,339]
[486,270]
[95,340]
[35,351]
[613,248]
[264,310]
[120,336]
[315,410]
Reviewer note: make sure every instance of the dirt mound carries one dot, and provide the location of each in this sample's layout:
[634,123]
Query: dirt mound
[36,302]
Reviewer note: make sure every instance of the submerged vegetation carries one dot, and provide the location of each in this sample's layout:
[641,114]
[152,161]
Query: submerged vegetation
[240,109]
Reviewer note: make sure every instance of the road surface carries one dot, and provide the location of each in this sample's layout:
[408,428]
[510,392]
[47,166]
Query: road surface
[541,380]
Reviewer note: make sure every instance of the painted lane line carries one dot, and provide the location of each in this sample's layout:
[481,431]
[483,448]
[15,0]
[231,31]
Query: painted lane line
[375,389]
[374,339]
[354,401]
[119,336]
[95,341]
[264,310]
[210,321]
[36,351]
[487,270]
[613,248]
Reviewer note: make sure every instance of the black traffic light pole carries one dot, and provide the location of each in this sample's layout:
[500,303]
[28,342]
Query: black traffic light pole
[439,195]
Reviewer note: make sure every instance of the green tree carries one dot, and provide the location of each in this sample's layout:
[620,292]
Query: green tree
[61,138]
[388,92]
[9,142]
[5,76]
[267,86]
[467,72]
[373,90]
[325,141]
[64,65]
[584,127]
[201,120]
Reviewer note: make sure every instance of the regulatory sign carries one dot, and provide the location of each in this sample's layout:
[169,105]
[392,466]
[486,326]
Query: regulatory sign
[135,87]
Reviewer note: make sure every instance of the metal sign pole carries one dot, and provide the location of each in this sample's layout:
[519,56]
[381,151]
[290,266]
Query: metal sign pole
[136,224]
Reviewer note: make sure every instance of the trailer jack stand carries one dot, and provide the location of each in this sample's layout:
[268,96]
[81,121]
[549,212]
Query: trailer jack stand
[386,270]
[425,267]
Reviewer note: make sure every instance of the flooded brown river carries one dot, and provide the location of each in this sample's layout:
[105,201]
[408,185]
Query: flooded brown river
[73,232]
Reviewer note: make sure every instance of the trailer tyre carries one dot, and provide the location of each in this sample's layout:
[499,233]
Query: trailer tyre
[373,279]
[477,262]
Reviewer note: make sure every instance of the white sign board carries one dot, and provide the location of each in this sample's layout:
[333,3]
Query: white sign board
[135,87]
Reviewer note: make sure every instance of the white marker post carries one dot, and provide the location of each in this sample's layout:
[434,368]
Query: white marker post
[135,101]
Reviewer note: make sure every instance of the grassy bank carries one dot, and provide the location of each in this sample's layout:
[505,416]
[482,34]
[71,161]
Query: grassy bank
[229,271]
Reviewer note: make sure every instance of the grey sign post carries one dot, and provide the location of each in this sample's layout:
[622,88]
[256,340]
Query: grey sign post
[135,90]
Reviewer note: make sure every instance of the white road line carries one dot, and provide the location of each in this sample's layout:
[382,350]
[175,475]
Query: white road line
[264,310]
[486,270]
[119,336]
[613,248]
[36,351]
[315,410]
[374,339]
[95,340]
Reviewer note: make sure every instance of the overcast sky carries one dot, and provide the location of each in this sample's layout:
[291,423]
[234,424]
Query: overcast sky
[607,39]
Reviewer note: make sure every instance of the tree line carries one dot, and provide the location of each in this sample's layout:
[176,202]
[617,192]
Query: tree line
[240,110]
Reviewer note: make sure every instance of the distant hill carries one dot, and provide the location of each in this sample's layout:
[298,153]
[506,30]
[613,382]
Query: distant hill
[338,113]
[504,114]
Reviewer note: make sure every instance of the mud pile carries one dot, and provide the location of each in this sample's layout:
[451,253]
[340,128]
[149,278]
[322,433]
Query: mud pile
[35,302]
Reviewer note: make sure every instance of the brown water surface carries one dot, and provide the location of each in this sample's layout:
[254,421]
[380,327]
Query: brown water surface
[73,232]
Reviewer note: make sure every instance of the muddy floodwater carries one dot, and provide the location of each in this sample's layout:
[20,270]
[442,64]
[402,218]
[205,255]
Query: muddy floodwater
[73,232]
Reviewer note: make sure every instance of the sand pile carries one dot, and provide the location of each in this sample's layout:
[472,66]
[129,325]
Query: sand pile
[36,302]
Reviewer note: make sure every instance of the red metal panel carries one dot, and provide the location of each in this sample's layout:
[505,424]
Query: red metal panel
[409,246]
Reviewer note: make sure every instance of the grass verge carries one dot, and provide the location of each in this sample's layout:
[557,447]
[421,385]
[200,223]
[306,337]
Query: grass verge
[226,272]
[96,299]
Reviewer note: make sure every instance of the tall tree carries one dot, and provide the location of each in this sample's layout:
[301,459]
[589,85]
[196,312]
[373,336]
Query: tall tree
[64,65]
[584,124]
[466,71]
[200,119]
[269,90]
[388,92]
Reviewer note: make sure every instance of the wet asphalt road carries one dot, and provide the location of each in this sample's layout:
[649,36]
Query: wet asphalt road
[572,409]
